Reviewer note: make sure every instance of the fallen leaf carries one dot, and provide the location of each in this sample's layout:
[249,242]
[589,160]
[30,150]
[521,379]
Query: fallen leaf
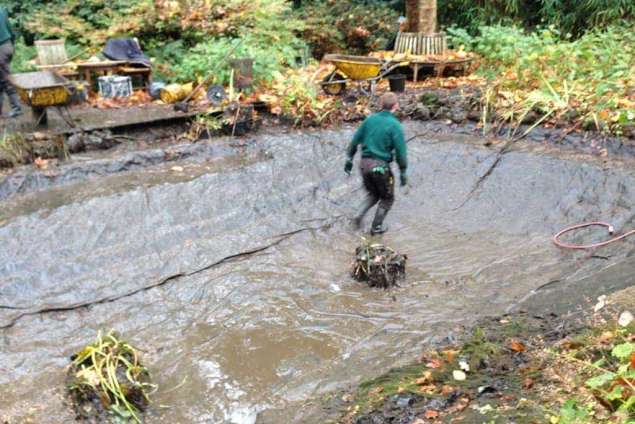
[41,163]
[607,337]
[517,346]
[450,354]
[459,375]
[347,398]
[461,404]
[435,363]
[428,389]
[572,345]
[528,383]
[633,360]
[446,390]
[625,319]
[431,414]
[427,378]
[376,391]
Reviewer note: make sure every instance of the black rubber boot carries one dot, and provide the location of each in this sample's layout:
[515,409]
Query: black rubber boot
[16,109]
[363,210]
[378,223]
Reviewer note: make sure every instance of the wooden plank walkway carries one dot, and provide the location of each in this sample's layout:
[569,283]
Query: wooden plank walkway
[90,119]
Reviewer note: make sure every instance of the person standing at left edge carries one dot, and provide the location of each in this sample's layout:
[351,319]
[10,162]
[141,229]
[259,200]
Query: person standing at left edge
[7,43]
[382,140]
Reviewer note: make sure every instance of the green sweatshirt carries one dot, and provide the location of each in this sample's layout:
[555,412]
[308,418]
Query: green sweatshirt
[381,134]
[5,28]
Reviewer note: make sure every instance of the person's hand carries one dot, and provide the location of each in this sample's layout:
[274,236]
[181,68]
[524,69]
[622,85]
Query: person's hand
[404,179]
[348,168]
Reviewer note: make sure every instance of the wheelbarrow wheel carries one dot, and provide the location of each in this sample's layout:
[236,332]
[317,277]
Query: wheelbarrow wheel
[334,84]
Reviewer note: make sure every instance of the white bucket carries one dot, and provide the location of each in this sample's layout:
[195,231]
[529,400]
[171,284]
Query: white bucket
[115,86]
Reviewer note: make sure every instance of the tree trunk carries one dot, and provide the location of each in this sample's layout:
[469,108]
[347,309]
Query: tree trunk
[422,16]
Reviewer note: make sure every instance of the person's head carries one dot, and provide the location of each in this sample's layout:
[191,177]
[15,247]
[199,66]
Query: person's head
[389,102]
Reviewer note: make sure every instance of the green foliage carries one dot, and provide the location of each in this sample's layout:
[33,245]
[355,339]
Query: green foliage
[266,38]
[571,16]
[572,413]
[268,58]
[548,72]
[86,22]
[608,370]
[346,26]
[623,351]
[22,56]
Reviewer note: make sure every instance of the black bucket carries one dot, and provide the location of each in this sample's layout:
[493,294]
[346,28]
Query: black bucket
[397,83]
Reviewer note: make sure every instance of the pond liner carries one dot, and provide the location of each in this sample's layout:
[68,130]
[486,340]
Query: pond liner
[280,239]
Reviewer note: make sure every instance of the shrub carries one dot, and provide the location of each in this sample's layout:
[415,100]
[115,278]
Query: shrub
[346,26]
[549,72]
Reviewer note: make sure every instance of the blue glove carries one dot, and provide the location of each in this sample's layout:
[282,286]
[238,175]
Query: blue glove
[349,166]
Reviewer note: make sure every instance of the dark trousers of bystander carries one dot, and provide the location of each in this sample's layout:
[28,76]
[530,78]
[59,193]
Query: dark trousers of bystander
[6,55]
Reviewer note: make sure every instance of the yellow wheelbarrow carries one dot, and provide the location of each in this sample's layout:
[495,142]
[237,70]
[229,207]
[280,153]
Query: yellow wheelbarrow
[358,69]
[42,90]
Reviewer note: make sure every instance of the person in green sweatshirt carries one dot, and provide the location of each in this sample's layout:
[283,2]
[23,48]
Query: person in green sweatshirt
[382,140]
[7,42]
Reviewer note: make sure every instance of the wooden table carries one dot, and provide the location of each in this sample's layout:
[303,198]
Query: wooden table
[110,67]
[439,67]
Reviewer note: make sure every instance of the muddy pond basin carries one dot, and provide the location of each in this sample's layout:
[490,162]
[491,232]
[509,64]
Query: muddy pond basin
[232,276]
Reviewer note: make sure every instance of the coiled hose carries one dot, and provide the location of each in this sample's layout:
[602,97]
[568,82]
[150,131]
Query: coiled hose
[609,227]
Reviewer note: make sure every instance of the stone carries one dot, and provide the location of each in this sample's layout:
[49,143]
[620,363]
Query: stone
[442,113]
[458,115]
[422,112]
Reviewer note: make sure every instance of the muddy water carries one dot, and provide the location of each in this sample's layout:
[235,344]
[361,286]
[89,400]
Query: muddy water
[258,337]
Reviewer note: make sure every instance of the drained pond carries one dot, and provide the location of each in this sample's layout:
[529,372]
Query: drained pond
[232,275]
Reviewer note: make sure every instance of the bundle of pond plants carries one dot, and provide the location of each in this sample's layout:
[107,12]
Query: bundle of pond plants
[379,265]
[107,382]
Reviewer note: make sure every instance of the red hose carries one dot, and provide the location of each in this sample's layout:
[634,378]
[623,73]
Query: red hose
[609,227]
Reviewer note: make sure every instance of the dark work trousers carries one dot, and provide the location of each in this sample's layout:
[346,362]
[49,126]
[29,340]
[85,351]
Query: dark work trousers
[6,55]
[380,187]
[379,182]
